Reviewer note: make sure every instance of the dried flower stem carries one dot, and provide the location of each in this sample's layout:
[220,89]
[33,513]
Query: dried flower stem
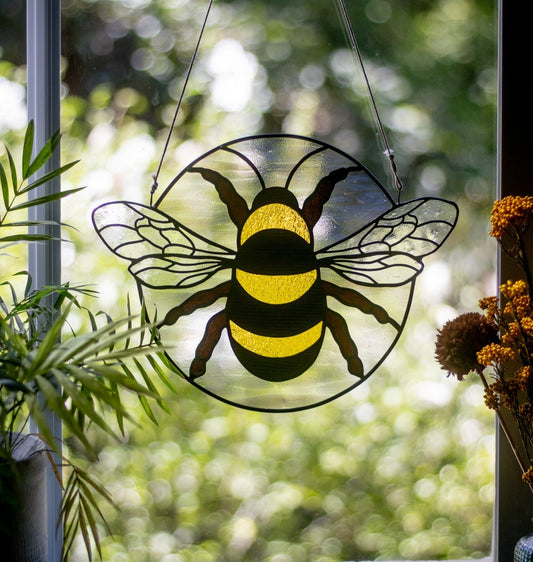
[507,433]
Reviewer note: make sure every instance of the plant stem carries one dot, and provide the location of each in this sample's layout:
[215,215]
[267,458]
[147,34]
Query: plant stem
[507,433]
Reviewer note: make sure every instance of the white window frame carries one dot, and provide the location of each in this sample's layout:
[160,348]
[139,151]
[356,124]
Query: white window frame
[43,54]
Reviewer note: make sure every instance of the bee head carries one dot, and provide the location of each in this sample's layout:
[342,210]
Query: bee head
[275,195]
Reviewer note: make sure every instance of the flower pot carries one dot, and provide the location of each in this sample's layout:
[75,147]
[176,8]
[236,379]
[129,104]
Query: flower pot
[24,529]
[523,551]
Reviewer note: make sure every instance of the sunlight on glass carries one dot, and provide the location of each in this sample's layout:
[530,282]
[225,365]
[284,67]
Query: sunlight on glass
[389,84]
[101,96]
[108,288]
[456,9]
[131,160]
[488,81]
[433,179]
[411,119]
[148,26]
[448,30]
[102,43]
[342,63]
[101,137]
[471,432]
[162,543]
[436,283]
[142,59]
[312,76]
[279,50]
[302,119]
[135,3]
[365,413]
[163,41]
[233,70]
[13,108]
[434,393]
[161,492]
[378,11]
[244,532]
[126,98]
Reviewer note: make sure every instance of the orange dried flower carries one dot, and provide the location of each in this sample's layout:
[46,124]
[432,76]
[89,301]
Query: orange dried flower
[494,354]
[514,289]
[500,393]
[512,387]
[492,398]
[527,325]
[522,306]
[490,305]
[512,335]
[511,211]
[523,375]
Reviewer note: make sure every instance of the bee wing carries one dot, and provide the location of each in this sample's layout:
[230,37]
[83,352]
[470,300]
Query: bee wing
[163,253]
[389,250]
[381,269]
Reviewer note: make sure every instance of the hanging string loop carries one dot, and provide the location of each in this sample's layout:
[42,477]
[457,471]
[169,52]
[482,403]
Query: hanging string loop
[178,106]
[389,153]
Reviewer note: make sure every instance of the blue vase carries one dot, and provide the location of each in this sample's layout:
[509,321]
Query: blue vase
[523,551]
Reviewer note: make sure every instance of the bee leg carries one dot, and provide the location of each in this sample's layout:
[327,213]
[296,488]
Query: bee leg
[237,207]
[313,205]
[201,299]
[339,330]
[205,348]
[352,298]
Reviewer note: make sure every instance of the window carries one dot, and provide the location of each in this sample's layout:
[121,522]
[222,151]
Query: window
[120,118]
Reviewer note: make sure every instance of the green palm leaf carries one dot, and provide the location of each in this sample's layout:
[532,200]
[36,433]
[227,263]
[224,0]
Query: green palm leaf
[46,367]
[45,199]
[5,186]
[29,168]
[27,147]
[13,170]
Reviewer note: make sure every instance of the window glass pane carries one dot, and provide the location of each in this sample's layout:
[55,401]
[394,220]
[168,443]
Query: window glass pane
[399,467]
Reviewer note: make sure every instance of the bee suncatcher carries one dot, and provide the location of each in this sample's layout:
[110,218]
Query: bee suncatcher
[294,283]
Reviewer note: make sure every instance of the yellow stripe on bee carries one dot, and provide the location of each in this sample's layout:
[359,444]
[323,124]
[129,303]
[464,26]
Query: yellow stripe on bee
[275,215]
[268,346]
[276,289]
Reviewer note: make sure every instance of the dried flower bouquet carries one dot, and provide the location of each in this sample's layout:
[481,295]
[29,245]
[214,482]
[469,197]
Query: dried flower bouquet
[501,338]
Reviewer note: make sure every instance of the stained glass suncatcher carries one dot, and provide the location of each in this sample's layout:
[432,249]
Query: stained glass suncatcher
[281,270]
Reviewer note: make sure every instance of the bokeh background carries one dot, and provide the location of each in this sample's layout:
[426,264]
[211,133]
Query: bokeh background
[402,468]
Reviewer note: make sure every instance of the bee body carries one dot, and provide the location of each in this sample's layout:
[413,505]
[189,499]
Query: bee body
[276,304]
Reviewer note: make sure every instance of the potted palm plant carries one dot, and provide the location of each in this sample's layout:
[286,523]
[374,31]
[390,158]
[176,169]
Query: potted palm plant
[44,366]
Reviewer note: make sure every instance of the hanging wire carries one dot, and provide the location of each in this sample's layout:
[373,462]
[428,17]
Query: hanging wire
[389,153]
[186,81]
